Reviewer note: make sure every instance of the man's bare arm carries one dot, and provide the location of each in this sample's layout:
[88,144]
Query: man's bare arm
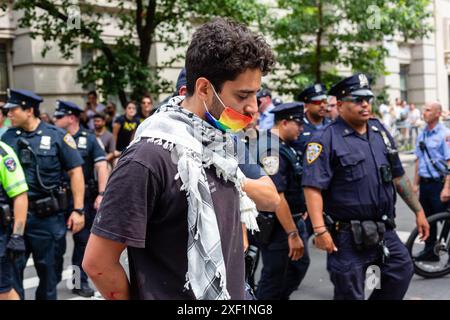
[405,190]
[263,192]
[102,263]
[20,203]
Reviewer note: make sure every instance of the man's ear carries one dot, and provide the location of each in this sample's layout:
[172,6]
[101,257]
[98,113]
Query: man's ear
[202,88]
[339,105]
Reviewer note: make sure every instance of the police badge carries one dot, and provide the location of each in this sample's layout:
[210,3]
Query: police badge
[363,81]
[313,151]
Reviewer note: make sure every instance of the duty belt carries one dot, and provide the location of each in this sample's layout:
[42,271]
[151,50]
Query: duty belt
[342,225]
[431,180]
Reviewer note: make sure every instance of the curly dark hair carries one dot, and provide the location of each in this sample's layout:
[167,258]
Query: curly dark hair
[221,50]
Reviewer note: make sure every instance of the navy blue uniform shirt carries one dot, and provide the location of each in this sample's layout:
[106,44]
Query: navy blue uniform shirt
[308,129]
[278,162]
[91,152]
[56,152]
[346,167]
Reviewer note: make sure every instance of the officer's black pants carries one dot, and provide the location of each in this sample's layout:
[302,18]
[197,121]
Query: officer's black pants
[41,236]
[280,276]
[80,240]
[347,268]
[430,200]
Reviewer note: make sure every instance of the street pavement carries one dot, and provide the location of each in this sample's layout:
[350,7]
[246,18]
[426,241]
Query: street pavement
[315,286]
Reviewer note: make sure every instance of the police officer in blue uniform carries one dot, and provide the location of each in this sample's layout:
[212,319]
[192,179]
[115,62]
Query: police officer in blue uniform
[45,153]
[351,172]
[316,103]
[95,171]
[285,260]
[431,178]
[265,106]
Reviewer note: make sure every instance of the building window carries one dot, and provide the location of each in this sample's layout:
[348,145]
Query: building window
[4,83]
[404,69]
[87,55]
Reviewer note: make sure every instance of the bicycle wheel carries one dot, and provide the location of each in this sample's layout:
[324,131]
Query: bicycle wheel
[441,267]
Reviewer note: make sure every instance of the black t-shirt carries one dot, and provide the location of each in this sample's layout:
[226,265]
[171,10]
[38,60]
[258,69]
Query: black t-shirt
[144,208]
[126,131]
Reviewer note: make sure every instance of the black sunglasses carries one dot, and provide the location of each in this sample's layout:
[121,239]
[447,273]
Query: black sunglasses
[359,99]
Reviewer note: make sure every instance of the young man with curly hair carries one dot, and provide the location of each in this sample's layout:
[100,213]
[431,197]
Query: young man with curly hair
[176,199]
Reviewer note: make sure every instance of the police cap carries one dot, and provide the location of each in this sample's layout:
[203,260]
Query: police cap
[181,81]
[22,98]
[356,85]
[65,108]
[317,92]
[277,101]
[289,111]
[263,93]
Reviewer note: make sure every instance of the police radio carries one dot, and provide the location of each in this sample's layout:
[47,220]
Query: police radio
[25,154]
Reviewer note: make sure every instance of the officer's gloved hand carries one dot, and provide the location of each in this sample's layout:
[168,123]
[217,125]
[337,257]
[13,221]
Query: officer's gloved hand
[15,246]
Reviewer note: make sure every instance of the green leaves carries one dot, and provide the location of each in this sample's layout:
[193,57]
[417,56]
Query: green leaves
[124,68]
[314,38]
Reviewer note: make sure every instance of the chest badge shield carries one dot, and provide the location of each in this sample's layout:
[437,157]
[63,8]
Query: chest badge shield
[46,143]
[271,164]
[313,152]
[82,143]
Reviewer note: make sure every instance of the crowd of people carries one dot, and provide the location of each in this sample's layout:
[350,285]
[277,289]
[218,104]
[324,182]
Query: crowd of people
[192,211]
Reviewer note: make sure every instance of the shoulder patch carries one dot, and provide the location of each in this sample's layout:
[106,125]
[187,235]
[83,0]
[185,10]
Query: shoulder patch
[271,164]
[313,151]
[68,139]
[10,164]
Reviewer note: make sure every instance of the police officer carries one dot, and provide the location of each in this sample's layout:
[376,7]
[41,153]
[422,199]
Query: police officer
[13,198]
[282,245]
[431,178]
[351,172]
[265,105]
[315,100]
[45,153]
[95,171]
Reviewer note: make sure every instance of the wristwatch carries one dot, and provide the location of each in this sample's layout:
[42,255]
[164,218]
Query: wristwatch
[80,211]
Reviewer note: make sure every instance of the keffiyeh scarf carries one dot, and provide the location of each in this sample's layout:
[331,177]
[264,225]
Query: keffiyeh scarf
[196,145]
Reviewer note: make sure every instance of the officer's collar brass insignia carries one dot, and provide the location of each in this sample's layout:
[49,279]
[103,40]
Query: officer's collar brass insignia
[271,164]
[363,81]
[313,151]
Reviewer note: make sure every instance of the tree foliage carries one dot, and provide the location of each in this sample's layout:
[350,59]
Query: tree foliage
[314,38]
[124,65]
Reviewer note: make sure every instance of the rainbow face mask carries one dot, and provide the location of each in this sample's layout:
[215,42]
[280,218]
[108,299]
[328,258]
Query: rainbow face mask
[229,119]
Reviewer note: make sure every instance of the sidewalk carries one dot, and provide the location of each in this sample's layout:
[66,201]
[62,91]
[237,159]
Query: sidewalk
[407,157]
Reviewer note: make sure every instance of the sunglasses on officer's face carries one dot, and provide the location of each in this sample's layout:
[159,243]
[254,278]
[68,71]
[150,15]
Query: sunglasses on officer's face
[59,117]
[358,99]
[318,102]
